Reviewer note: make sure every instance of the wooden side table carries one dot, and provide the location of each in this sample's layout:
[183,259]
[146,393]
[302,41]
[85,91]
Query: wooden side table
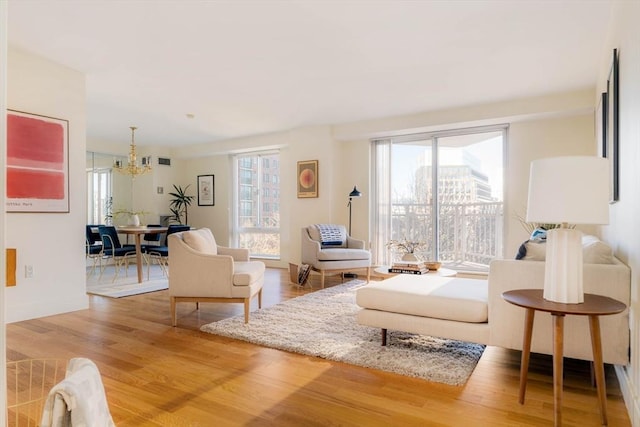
[593,306]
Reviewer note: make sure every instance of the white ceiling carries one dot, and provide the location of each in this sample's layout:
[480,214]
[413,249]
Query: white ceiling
[252,67]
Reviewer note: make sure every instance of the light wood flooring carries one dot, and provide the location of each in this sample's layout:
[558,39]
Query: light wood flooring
[157,375]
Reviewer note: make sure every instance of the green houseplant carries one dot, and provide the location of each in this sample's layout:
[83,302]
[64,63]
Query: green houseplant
[180,203]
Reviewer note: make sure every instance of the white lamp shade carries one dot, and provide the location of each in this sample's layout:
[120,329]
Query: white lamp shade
[573,189]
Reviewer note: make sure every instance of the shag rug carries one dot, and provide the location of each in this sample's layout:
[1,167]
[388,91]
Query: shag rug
[323,324]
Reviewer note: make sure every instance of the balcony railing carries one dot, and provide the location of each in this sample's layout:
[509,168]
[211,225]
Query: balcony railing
[470,235]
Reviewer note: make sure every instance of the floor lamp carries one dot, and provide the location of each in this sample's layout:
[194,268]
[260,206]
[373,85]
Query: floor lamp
[354,193]
[567,190]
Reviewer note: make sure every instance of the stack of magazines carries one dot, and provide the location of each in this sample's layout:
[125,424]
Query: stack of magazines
[409,267]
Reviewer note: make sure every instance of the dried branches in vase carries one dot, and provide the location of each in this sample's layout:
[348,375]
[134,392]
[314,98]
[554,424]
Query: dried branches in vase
[406,247]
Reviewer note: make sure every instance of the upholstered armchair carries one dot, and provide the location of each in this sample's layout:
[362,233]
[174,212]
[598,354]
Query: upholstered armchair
[327,248]
[202,271]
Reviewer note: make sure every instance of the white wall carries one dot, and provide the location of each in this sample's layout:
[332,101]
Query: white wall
[546,126]
[623,229]
[536,139]
[53,243]
[554,125]
[3,226]
[312,143]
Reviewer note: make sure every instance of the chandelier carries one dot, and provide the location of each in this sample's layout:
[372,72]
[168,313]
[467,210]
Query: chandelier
[132,168]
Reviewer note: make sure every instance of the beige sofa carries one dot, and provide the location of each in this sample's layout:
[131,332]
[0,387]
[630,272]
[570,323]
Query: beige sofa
[495,321]
[507,320]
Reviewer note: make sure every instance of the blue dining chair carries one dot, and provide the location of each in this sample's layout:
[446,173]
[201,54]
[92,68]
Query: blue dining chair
[93,247]
[113,249]
[161,253]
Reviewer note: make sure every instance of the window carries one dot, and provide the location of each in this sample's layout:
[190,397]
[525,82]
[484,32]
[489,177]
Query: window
[99,188]
[256,219]
[460,219]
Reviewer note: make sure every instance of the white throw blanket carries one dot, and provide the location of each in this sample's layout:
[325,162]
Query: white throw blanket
[79,400]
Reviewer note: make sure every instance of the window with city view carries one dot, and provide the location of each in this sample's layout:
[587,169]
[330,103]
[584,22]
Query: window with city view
[459,220]
[257,207]
[99,194]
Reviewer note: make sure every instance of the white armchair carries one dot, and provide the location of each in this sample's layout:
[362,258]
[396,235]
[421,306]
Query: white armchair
[202,271]
[328,248]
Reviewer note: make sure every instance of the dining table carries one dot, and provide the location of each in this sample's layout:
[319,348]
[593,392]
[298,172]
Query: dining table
[138,232]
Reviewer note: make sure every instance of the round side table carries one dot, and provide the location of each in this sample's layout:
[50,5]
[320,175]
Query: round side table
[593,307]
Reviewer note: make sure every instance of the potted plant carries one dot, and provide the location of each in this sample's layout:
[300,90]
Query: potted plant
[180,203]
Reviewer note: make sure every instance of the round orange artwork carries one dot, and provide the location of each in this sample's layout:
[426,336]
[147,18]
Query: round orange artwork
[307,178]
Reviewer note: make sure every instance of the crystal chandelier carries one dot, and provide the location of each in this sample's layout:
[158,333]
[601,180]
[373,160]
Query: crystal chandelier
[132,168]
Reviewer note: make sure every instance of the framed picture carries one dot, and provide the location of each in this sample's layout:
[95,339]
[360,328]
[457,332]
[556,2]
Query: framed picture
[308,178]
[37,163]
[601,125]
[611,143]
[206,190]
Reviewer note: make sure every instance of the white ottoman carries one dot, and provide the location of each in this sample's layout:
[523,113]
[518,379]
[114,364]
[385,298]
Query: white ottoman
[438,306]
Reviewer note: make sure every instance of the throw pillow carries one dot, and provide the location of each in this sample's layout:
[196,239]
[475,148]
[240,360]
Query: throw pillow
[536,250]
[594,251]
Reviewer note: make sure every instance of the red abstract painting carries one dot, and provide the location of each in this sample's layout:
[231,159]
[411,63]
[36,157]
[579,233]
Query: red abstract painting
[37,163]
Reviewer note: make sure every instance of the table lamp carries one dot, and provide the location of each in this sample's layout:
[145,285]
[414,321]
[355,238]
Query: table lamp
[567,190]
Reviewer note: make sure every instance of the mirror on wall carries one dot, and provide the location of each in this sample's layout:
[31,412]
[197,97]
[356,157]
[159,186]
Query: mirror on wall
[107,191]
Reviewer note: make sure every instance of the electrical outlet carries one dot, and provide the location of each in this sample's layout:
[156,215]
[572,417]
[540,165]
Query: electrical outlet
[28,271]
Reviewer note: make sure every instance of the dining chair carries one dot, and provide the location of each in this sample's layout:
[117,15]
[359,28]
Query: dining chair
[113,249]
[151,239]
[93,247]
[161,253]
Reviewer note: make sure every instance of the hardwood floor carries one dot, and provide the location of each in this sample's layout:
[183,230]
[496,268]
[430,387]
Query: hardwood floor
[157,375]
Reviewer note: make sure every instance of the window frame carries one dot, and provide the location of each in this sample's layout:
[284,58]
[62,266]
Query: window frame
[380,224]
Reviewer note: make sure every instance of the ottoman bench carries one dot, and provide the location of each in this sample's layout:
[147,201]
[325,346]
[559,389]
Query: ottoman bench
[445,307]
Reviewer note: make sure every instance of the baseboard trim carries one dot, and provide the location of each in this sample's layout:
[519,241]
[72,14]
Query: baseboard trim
[630,398]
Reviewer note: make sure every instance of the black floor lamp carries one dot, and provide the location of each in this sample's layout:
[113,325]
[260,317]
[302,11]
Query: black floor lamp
[354,193]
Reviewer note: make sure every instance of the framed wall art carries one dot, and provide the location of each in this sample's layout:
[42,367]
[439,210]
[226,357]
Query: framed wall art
[307,178]
[37,163]
[206,190]
[612,145]
[601,125]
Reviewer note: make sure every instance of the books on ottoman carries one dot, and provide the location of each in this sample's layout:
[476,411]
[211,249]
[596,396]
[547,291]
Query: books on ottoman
[409,267]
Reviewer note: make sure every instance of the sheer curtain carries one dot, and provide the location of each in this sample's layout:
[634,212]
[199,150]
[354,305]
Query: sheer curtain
[381,201]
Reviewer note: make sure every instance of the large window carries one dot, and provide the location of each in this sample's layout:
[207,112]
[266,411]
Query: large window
[460,219]
[256,222]
[99,188]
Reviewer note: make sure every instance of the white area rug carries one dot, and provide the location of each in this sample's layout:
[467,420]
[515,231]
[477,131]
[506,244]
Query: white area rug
[323,324]
[126,286]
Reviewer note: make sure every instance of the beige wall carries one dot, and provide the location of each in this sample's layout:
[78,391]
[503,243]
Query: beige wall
[623,232]
[51,242]
[536,139]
